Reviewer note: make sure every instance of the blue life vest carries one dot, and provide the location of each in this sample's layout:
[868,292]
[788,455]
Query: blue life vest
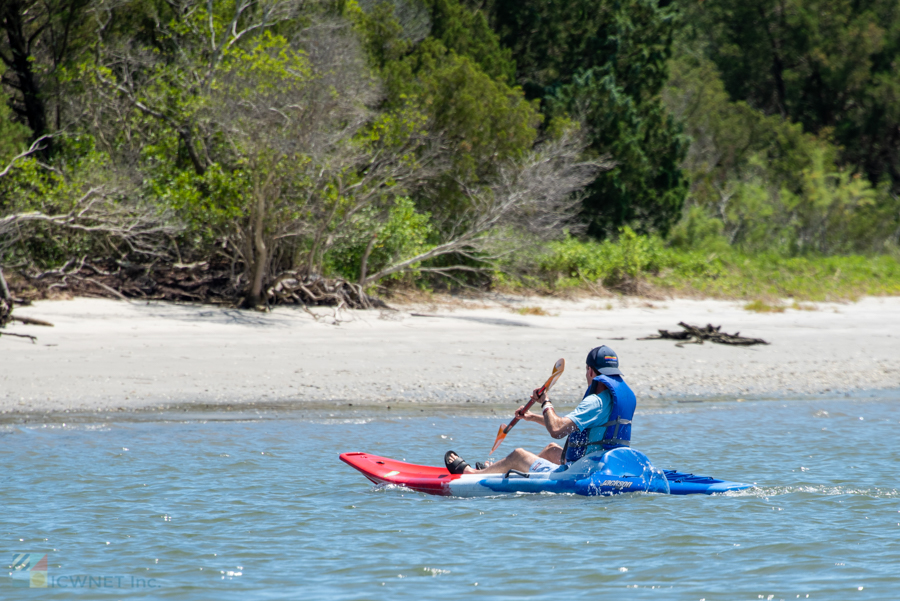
[617,431]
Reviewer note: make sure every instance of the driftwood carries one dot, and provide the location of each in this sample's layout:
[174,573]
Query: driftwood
[316,290]
[31,321]
[696,335]
[203,282]
[29,336]
[197,282]
[6,308]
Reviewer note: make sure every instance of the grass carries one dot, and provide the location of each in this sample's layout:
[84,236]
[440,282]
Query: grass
[720,273]
[531,311]
[803,307]
[760,306]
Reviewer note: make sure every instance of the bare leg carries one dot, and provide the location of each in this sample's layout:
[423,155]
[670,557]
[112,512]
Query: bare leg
[520,459]
[552,453]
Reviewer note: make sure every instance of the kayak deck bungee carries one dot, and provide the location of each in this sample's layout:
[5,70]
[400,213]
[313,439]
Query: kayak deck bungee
[612,472]
[689,484]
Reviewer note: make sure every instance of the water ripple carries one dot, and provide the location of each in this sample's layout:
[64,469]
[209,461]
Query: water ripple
[262,509]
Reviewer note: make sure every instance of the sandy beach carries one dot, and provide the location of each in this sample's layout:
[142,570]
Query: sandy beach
[107,355]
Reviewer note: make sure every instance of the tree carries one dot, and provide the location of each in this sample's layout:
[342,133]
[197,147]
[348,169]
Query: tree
[831,66]
[40,38]
[529,201]
[605,63]
[282,151]
[769,185]
[103,209]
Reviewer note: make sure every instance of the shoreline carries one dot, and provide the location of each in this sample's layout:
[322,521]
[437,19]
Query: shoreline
[115,356]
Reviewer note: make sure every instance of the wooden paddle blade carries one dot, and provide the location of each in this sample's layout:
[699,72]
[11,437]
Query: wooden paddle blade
[558,370]
[501,434]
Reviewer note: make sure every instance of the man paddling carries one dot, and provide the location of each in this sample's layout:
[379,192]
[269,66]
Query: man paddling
[602,421]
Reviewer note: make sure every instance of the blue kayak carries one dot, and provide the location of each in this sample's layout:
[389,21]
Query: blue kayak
[689,484]
[612,472]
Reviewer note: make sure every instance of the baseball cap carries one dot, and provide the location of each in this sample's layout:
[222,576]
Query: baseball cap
[604,360]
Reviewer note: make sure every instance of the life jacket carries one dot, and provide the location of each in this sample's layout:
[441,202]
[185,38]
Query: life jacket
[617,431]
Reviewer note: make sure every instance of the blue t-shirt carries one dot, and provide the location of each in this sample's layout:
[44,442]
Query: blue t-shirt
[592,411]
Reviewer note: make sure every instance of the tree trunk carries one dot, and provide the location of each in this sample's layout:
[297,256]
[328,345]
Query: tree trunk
[260,252]
[777,67]
[34,110]
[364,264]
[6,301]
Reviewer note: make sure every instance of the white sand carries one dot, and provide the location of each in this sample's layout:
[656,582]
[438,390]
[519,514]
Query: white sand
[107,355]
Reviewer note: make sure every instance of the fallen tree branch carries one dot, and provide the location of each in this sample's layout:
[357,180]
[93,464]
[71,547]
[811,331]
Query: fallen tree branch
[697,334]
[294,288]
[31,321]
[197,282]
[33,338]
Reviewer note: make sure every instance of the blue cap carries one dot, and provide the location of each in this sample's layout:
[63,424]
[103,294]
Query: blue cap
[604,360]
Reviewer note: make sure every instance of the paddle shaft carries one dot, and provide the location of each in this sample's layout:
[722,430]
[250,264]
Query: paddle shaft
[557,372]
[528,405]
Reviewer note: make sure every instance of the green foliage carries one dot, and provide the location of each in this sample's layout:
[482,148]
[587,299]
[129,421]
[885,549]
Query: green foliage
[250,83]
[605,63]
[404,233]
[754,142]
[460,30]
[459,79]
[31,187]
[828,65]
[698,230]
[485,120]
[770,186]
[466,32]
[572,262]
[13,136]
[381,33]
[722,274]
[647,186]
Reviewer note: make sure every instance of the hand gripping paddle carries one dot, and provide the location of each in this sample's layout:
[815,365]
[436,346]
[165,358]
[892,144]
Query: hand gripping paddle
[504,430]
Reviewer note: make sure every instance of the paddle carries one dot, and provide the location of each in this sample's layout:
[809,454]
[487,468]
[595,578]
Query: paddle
[557,372]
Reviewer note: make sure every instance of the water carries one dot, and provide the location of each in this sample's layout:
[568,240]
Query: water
[261,508]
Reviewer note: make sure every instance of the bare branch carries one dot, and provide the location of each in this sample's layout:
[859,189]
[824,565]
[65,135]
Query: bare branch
[535,196]
[35,146]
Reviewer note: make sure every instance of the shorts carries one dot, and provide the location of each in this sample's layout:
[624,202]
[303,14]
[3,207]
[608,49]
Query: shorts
[542,465]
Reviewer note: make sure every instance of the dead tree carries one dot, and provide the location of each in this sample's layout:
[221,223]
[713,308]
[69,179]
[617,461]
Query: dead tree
[527,202]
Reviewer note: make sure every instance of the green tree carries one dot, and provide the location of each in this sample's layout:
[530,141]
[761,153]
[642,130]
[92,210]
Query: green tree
[243,124]
[606,63]
[830,65]
[394,28]
[12,134]
[40,39]
[767,184]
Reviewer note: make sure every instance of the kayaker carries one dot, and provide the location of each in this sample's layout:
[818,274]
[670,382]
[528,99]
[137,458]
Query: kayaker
[601,421]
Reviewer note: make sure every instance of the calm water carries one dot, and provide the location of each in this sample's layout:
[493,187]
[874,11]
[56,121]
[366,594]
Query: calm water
[216,508]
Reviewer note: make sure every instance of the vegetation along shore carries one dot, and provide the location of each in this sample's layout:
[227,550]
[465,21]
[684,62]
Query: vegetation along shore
[344,152]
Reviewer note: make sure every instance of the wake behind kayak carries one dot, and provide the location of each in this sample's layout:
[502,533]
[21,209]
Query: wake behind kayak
[603,473]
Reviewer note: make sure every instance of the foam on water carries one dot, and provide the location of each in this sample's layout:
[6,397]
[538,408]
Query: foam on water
[244,509]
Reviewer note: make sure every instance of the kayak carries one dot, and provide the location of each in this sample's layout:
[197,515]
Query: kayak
[612,472]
